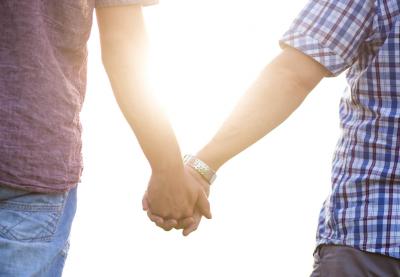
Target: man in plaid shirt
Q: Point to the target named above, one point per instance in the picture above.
(363, 209)
(359, 226)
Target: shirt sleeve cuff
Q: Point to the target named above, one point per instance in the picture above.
(108, 3)
(313, 48)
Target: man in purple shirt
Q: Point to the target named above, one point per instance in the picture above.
(42, 87)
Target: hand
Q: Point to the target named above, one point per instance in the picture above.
(187, 223)
(167, 200)
(191, 224)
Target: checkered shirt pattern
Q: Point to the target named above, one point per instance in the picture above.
(363, 36)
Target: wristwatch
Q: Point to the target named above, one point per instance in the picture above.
(201, 167)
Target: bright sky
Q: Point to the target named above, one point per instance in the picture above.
(265, 202)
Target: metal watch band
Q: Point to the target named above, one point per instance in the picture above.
(201, 167)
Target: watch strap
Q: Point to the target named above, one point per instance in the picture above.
(201, 167)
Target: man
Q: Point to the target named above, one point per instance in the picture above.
(359, 225)
(42, 87)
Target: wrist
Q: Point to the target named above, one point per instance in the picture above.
(168, 168)
(209, 155)
(167, 181)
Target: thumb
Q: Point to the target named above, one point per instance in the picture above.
(145, 202)
(203, 205)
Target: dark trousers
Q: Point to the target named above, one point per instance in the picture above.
(344, 261)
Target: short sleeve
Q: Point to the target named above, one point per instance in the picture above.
(331, 31)
(108, 3)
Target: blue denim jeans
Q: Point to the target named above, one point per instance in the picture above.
(34, 232)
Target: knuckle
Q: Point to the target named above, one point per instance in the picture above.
(163, 213)
(188, 212)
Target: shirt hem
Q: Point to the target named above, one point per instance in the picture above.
(313, 48)
(389, 252)
(111, 3)
(39, 189)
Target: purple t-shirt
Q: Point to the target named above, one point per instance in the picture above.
(43, 61)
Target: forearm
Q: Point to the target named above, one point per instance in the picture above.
(273, 97)
(149, 123)
(146, 118)
(264, 107)
(124, 54)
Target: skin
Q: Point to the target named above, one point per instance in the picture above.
(188, 224)
(172, 191)
(276, 94)
(176, 196)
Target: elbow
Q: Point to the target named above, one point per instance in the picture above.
(290, 81)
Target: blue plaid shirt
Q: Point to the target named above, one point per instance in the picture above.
(363, 36)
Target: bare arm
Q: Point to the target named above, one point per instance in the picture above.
(171, 192)
(279, 90)
(124, 54)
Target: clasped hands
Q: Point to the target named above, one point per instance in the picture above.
(178, 201)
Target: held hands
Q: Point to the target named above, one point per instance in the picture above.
(177, 202)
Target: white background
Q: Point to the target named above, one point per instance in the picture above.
(265, 202)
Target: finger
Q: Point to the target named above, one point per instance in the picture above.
(170, 224)
(193, 227)
(185, 223)
(167, 225)
(156, 219)
(145, 202)
(203, 205)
